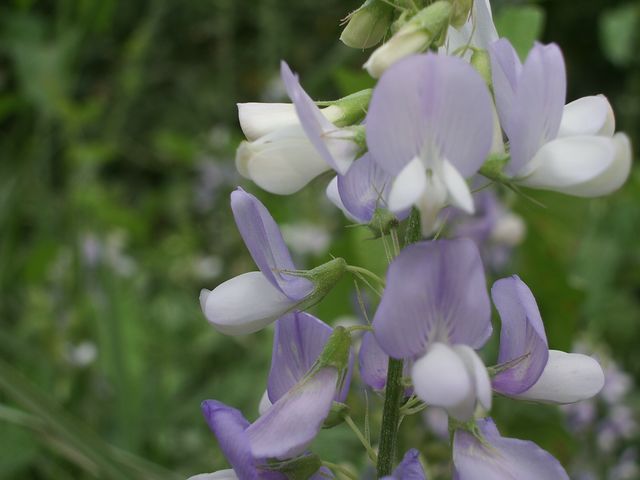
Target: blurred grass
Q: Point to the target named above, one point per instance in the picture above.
(116, 160)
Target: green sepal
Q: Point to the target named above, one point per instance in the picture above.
(353, 107)
(434, 19)
(300, 468)
(323, 277)
(382, 222)
(481, 61)
(336, 415)
(367, 25)
(493, 166)
(460, 12)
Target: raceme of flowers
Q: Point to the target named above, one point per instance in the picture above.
(454, 110)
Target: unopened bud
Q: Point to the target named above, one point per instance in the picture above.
(367, 25)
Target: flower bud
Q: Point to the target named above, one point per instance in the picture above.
(367, 25)
(424, 29)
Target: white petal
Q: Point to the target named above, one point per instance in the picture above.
(567, 162)
(259, 119)
(244, 304)
(228, 474)
(588, 116)
(567, 378)
(440, 377)
(265, 403)
(408, 186)
(478, 371)
(406, 42)
(613, 177)
(459, 193)
(431, 203)
(283, 162)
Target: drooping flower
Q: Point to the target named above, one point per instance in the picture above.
(435, 310)
(429, 126)
(494, 457)
(570, 149)
(409, 468)
(249, 302)
(535, 372)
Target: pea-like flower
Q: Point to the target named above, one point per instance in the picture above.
(251, 301)
(435, 311)
(488, 455)
(571, 148)
(429, 126)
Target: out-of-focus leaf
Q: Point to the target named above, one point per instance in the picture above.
(619, 33)
(522, 25)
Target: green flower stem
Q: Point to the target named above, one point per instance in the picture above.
(390, 418)
(340, 469)
(365, 443)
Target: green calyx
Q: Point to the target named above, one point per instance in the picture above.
(493, 166)
(481, 61)
(300, 468)
(434, 20)
(337, 415)
(323, 277)
(460, 12)
(382, 222)
(336, 351)
(367, 25)
(353, 107)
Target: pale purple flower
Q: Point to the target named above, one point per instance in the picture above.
(535, 372)
(374, 363)
(435, 310)
(429, 126)
(298, 342)
(570, 149)
(500, 458)
(363, 189)
(251, 301)
(409, 468)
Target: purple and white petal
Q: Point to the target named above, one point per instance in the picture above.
(435, 292)
(567, 378)
(244, 304)
(588, 116)
(298, 342)
(262, 237)
(522, 336)
(230, 428)
(335, 145)
(364, 188)
(290, 425)
(538, 105)
(421, 107)
(501, 458)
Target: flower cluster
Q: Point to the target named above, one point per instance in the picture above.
(453, 106)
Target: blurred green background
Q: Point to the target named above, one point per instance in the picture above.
(118, 129)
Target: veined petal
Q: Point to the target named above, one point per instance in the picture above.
(230, 428)
(333, 194)
(282, 162)
(503, 458)
(459, 193)
(588, 116)
(244, 304)
(319, 130)
(291, 424)
(297, 344)
(259, 119)
(441, 379)
(505, 71)
(538, 104)
(426, 104)
(265, 403)
(408, 186)
(566, 163)
(435, 292)
(567, 378)
(409, 468)
(522, 336)
(364, 188)
(613, 177)
(262, 237)
(228, 474)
